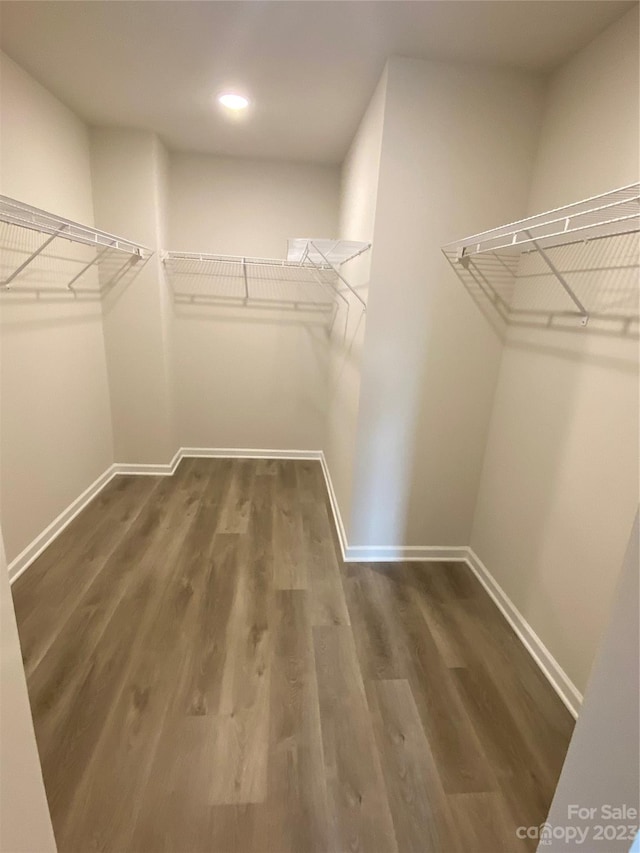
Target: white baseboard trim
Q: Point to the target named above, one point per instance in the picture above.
(384, 553)
(169, 468)
(33, 550)
(246, 453)
(149, 469)
(405, 553)
(335, 509)
(556, 676)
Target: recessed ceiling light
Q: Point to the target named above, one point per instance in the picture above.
(233, 102)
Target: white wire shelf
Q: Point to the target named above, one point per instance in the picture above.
(17, 213)
(611, 214)
(323, 251)
(606, 215)
(200, 277)
(306, 266)
(204, 258)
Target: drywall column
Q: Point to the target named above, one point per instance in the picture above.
(25, 824)
(559, 486)
(358, 196)
(602, 768)
(129, 170)
(457, 150)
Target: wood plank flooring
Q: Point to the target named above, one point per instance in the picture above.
(207, 676)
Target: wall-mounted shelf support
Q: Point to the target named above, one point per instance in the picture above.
(332, 291)
(584, 314)
(87, 267)
(244, 275)
(7, 281)
(327, 255)
(335, 269)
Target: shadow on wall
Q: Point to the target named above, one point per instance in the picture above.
(63, 272)
(514, 290)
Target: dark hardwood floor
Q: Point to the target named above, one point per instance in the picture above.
(206, 675)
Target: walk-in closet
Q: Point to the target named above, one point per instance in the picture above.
(319, 426)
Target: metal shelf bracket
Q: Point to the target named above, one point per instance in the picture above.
(584, 314)
(336, 271)
(6, 283)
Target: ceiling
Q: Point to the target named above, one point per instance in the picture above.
(309, 67)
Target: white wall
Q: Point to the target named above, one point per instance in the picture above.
(358, 197)
(55, 425)
(589, 139)
(457, 153)
(129, 172)
(248, 375)
(248, 207)
(25, 823)
(559, 487)
(603, 762)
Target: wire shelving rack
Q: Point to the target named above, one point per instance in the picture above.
(610, 214)
(52, 226)
(310, 263)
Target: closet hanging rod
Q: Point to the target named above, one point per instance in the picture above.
(610, 214)
(23, 215)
